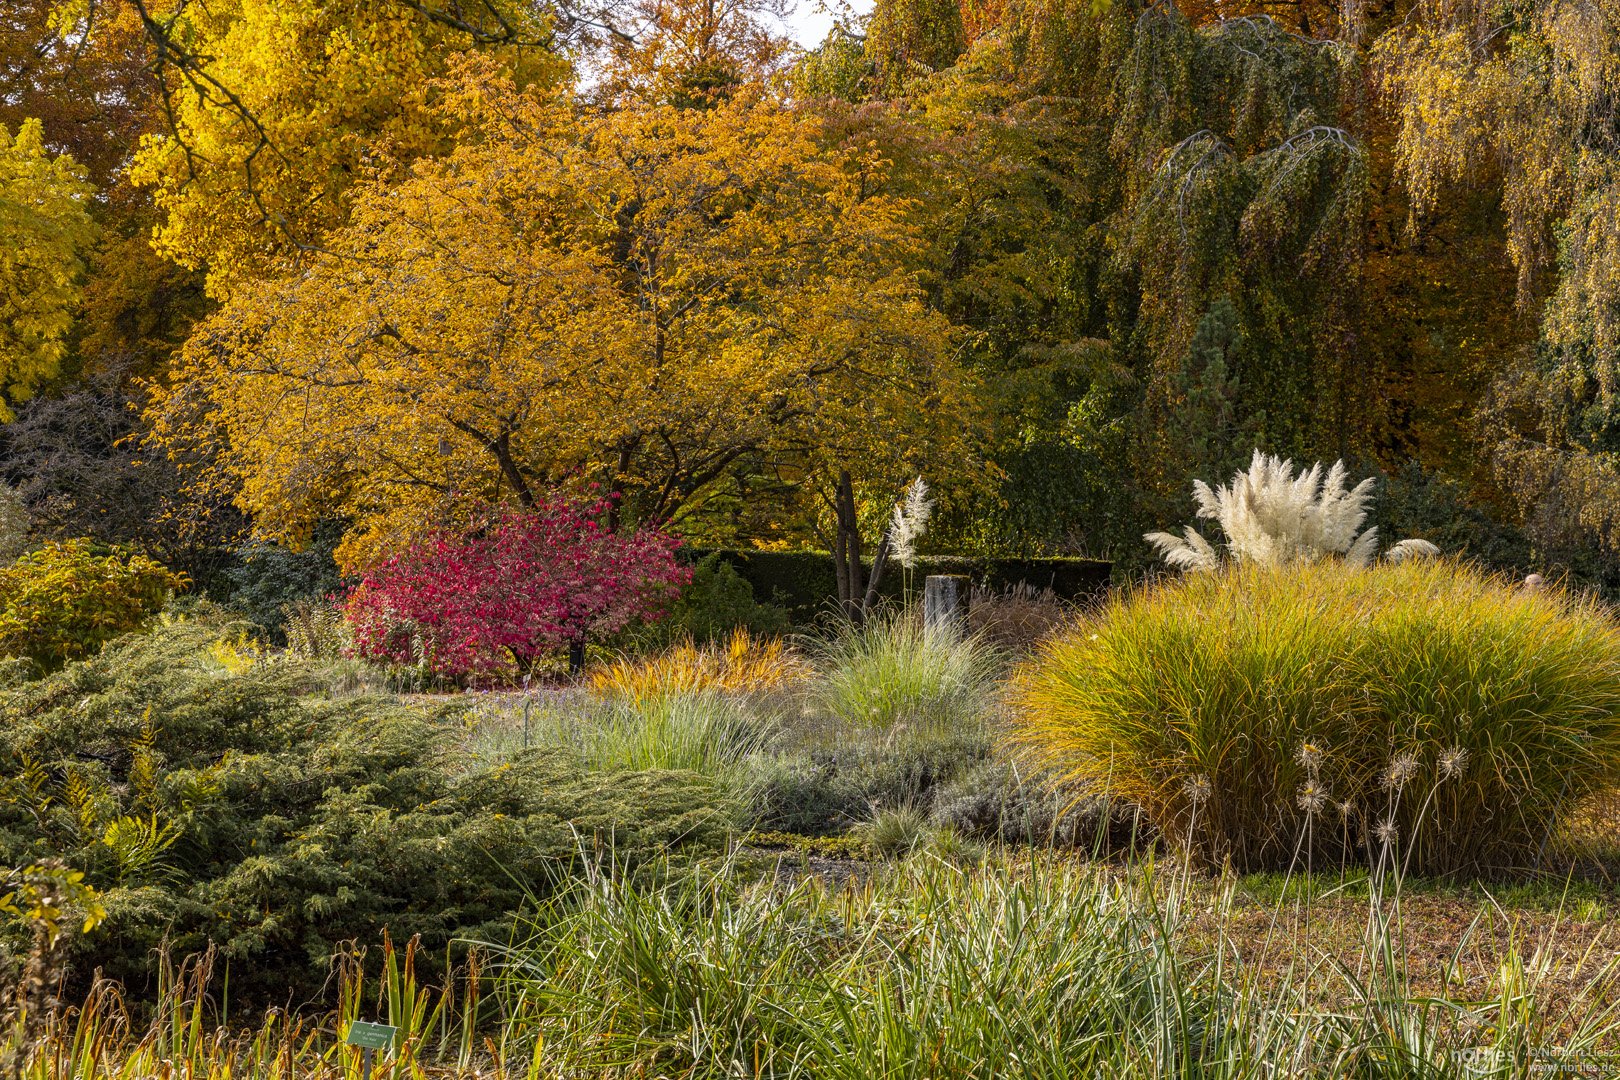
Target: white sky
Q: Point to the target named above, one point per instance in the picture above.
(811, 19)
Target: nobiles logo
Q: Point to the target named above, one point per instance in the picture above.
(1488, 1061)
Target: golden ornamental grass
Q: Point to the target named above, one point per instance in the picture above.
(1469, 716)
(742, 663)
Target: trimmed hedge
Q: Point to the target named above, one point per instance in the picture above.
(805, 584)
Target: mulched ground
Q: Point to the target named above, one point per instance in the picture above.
(1464, 949)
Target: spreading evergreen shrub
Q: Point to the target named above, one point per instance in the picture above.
(1425, 714)
(244, 809)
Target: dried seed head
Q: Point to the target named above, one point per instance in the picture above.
(1400, 771)
(1347, 809)
(1386, 833)
(1453, 762)
(1309, 756)
(1197, 789)
(1312, 797)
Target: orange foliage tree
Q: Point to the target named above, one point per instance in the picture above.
(642, 297)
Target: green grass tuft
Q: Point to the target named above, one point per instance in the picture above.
(896, 673)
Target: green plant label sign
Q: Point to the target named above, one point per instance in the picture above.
(370, 1036)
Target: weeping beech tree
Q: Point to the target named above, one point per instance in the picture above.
(1248, 184)
(1171, 176)
(1525, 98)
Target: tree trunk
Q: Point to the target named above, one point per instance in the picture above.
(847, 551)
(576, 656)
(880, 562)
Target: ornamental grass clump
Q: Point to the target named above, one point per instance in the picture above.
(718, 735)
(1032, 970)
(703, 732)
(1329, 714)
(741, 664)
(894, 672)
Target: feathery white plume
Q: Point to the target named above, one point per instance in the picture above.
(1274, 516)
(910, 521)
(1191, 553)
(1411, 549)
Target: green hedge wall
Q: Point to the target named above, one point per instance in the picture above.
(804, 583)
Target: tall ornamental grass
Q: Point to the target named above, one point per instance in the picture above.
(180, 1027)
(894, 673)
(1327, 713)
(702, 731)
(1028, 970)
(741, 664)
(934, 973)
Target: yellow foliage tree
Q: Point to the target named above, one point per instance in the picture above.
(1523, 101)
(45, 227)
(641, 298)
(277, 109)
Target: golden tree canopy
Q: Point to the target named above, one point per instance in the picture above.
(45, 227)
(281, 108)
(641, 298)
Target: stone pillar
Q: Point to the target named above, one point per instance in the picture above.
(945, 602)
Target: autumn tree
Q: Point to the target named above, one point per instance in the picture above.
(84, 72)
(275, 113)
(908, 38)
(641, 297)
(93, 98)
(72, 451)
(691, 53)
(1521, 101)
(45, 229)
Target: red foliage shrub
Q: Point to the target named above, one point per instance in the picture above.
(513, 588)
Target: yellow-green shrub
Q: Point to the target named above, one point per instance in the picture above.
(1424, 713)
(64, 601)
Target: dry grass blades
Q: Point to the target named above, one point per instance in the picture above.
(742, 663)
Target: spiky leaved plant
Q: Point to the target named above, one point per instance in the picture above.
(1274, 516)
